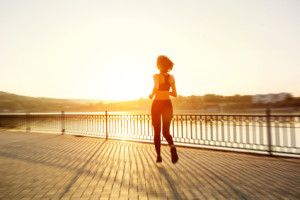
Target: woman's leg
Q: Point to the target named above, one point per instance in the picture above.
(156, 122)
(167, 115)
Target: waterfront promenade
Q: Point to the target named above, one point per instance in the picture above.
(54, 166)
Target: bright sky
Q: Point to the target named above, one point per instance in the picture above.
(96, 49)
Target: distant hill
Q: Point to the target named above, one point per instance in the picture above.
(17, 103)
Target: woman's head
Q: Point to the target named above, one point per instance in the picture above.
(164, 64)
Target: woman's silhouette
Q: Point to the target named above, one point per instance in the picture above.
(162, 105)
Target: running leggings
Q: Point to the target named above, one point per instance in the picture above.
(161, 109)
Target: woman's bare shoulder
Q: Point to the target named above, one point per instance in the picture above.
(171, 78)
(156, 77)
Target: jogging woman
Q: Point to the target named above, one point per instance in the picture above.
(162, 105)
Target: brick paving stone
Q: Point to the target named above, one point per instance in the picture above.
(105, 197)
(52, 166)
(143, 197)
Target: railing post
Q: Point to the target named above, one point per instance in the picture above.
(106, 128)
(268, 115)
(27, 121)
(63, 122)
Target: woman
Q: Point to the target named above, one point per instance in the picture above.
(162, 106)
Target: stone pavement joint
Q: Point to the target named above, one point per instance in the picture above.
(52, 166)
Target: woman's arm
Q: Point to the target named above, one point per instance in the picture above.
(155, 88)
(173, 93)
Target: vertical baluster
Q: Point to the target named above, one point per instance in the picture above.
(242, 140)
(222, 130)
(95, 124)
(28, 122)
(122, 126)
(261, 132)
(268, 116)
(114, 124)
(177, 128)
(87, 119)
(144, 133)
(196, 132)
(88, 124)
(201, 130)
(248, 133)
(212, 131)
(81, 124)
(277, 132)
(99, 124)
(63, 122)
(217, 131)
(133, 121)
(74, 123)
(186, 130)
(84, 123)
(106, 128)
(205, 123)
(80, 127)
(253, 123)
(191, 124)
(292, 133)
(100, 118)
(173, 131)
(181, 120)
(110, 125)
(229, 141)
(137, 124)
(141, 127)
(148, 118)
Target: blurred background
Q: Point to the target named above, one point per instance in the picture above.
(92, 56)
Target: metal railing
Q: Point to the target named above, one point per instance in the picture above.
(272, 134)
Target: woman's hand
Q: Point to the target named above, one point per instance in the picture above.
(173, 94)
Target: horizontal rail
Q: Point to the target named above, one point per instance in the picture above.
(253, 133)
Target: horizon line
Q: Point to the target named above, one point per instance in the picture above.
(111, 100)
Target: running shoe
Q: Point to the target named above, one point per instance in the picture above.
(159, 159)
(174, 155)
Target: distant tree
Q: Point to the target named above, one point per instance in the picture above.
(212, 98)
(289, 97)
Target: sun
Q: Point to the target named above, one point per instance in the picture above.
(131, 91)
(116, 83)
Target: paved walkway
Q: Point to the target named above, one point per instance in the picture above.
(50, 166)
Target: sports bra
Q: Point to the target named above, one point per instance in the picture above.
(165, 86)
